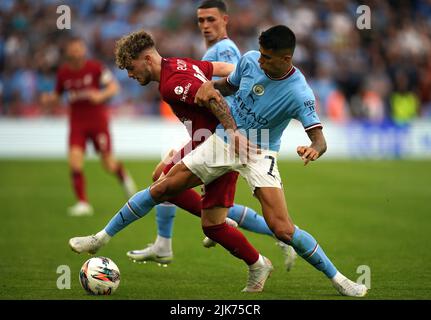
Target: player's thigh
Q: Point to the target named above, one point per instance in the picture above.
(274, 210)
(171, 158)
(210, 160)
(164, 166)
(178, 179)
(264, 179)
(213, 216)
(262, 171)
(220, 192)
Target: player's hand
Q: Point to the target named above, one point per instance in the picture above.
(47, 99)
(207, 92)
(243, 148)
(95, 96)
(307, 154)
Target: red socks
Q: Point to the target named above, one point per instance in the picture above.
(78, 183)
(233, 240)
(229, 237)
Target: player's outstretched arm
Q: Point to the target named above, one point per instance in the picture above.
(316, 149)
(48, 101)
(222, 69)
(100, 96)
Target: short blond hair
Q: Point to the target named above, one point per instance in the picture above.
(129, 48)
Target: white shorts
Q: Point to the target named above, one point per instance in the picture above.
(213, 158)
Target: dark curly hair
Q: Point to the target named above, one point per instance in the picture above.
(130, 46)
(278, 38)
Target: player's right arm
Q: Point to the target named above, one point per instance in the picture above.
(222, 69)
(317, 147)
(225, 86)
(48, 99)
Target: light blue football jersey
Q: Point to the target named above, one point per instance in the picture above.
(263, 107)
(223, 51)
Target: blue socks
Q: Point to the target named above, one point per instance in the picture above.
(245, 217)
(137, 207)
(248, 219)
(165, 214)
(308, 248)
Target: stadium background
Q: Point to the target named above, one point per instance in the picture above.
(374, 98)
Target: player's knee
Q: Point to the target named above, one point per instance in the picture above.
(155, 175)
(109, 165)
(163, 189)
(158, 190)
(283, 232)
(75, 164)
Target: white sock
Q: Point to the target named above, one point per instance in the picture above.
(338, 278)
(163, 245)
(260, 262)
(103, 236)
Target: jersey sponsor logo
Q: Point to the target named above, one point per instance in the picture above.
(309, 104)
(248, 115)
(186, 91)
(178, 90)
(258, 89)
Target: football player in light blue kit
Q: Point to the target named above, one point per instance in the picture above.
(212, 20)
(269, 92)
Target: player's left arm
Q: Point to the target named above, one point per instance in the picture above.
(316, 149)
(222, 69)
(110, 88)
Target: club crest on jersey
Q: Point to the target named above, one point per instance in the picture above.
(179, 90)
(258, 89)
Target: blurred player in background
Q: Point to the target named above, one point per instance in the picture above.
(88, 85)
(212, 21)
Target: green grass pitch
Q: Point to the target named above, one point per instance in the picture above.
(373, 213)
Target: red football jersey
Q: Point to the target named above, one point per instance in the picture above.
(76, 83)
(180, 79)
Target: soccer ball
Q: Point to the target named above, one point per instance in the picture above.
(99, 276)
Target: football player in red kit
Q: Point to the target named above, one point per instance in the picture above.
(88, 86)
(180, 79)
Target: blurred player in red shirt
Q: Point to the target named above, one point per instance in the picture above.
(88, 85)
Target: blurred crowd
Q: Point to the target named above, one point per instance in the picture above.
(377, 74)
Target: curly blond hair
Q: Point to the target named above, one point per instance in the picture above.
(130, 46)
